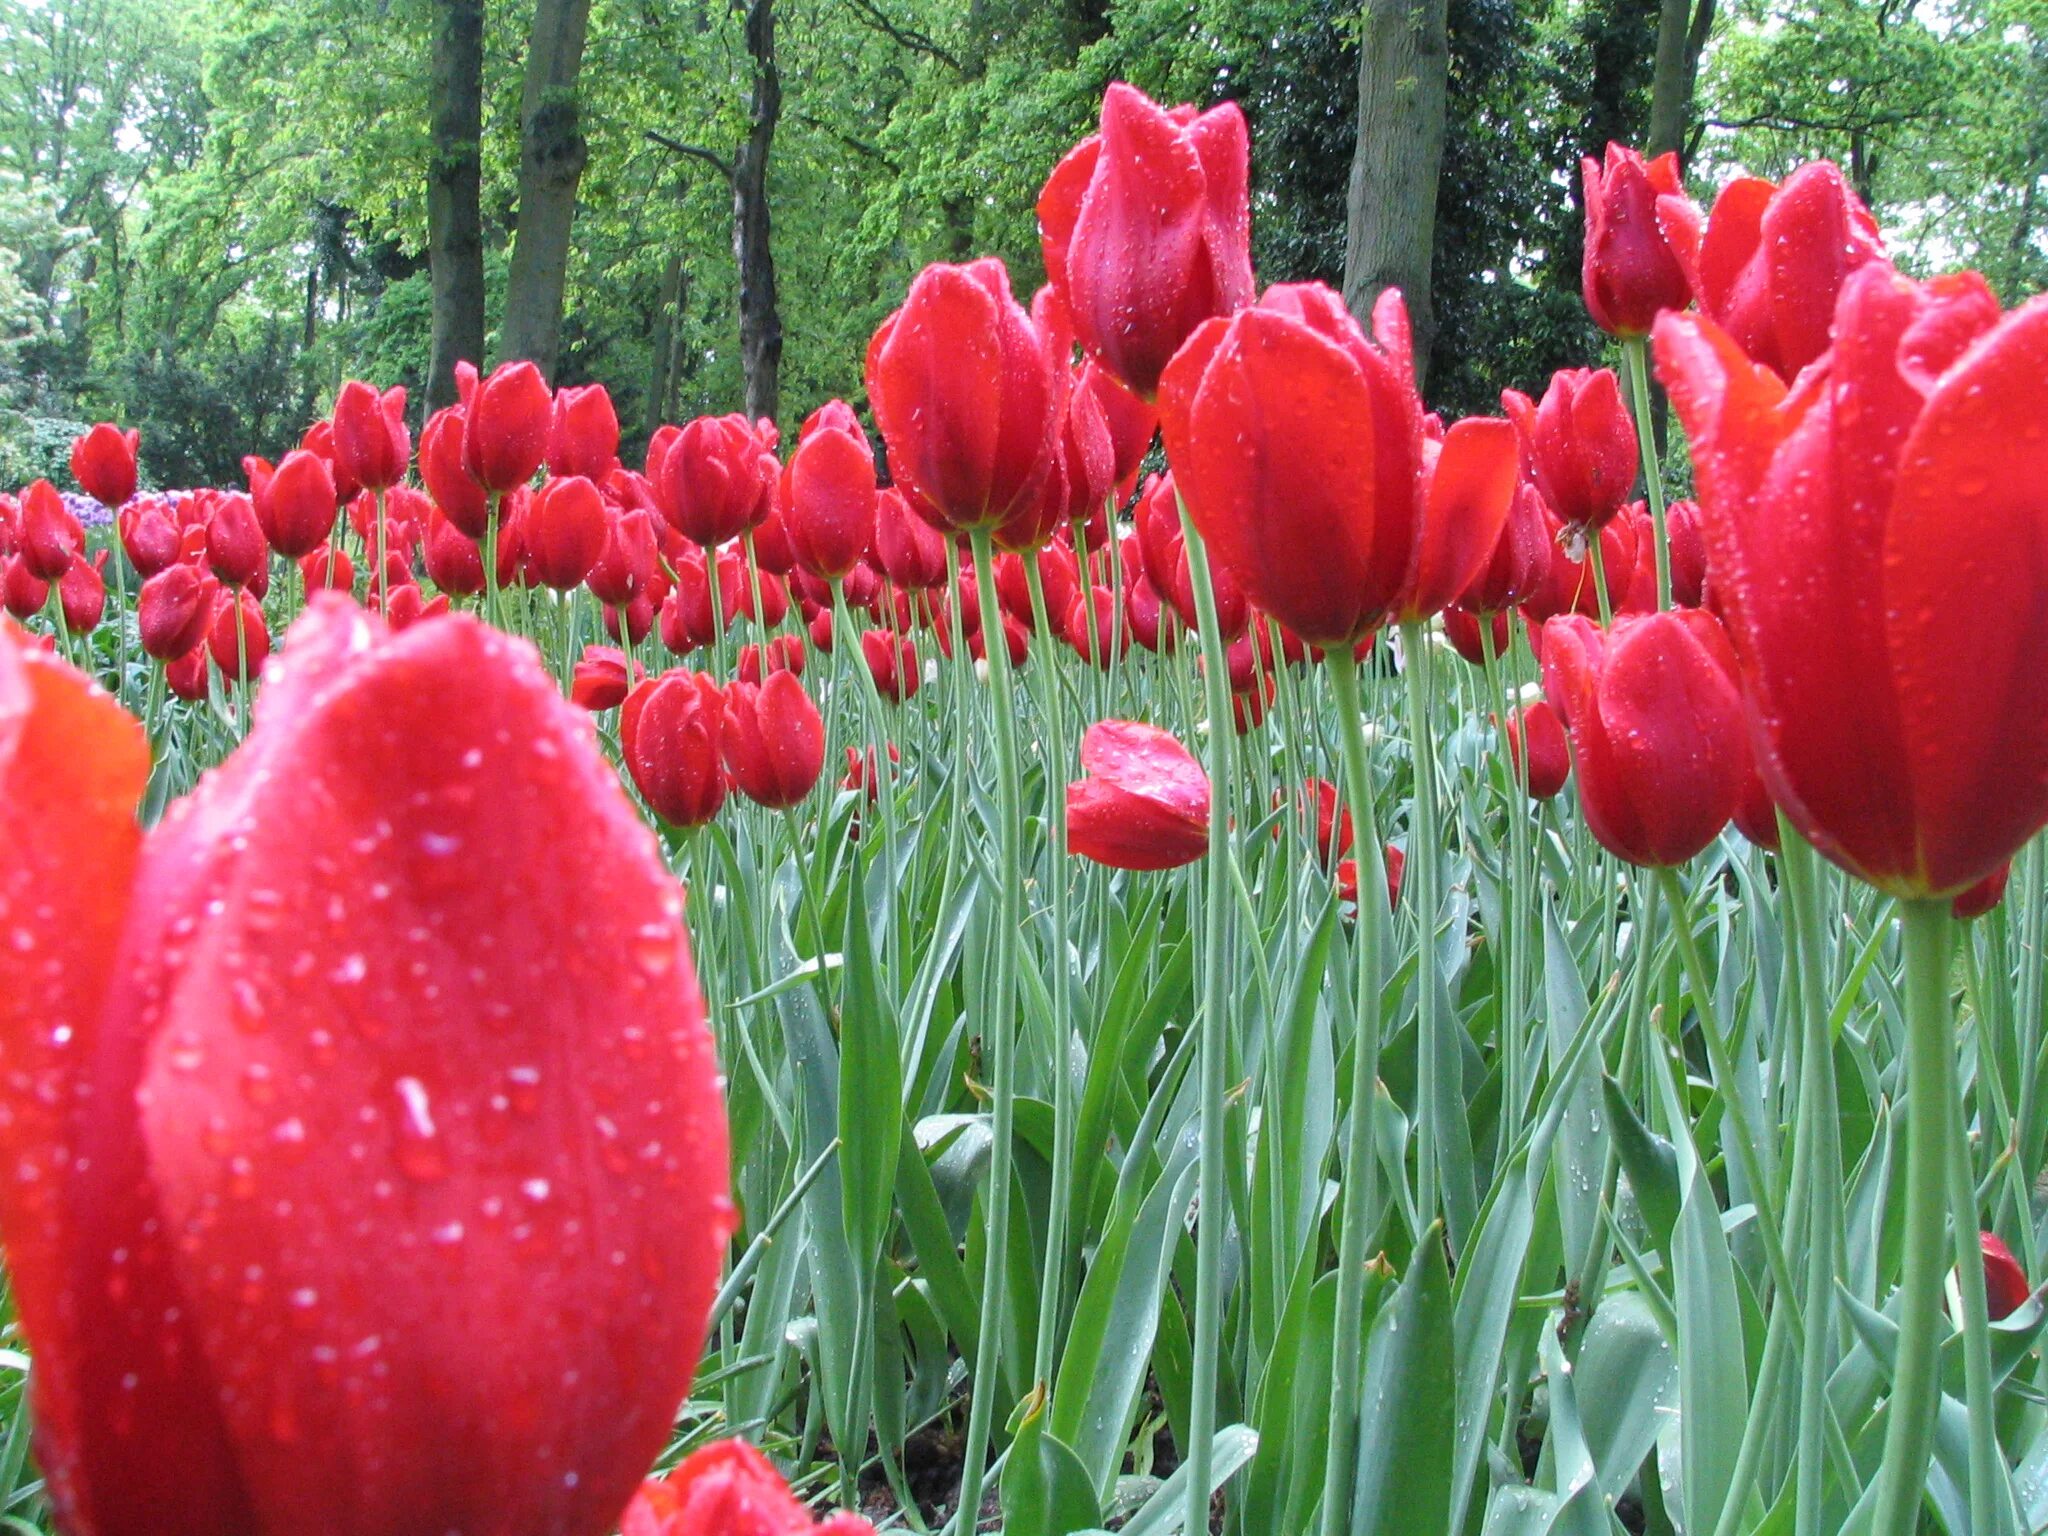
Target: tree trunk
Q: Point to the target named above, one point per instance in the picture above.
(552, 154)
(455, 231)
(1390, 225)
(661, 344)
(1683, 27)
(760, 318)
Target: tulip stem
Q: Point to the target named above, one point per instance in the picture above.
(1930, 1087)
(1361, 1167)
(997, 1028)
(1212, 1190)
(1422, 872)
(1635, 363)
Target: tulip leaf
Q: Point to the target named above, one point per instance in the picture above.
(1407, 1404)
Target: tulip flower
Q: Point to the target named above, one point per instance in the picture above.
(967, 396)
(828, 496)
(461, 499)
(1146, 229)
(1641, 235)
(1091, 626)
(1469, 633)
(565, 531)
(239, 649)
(348, 1195)
(1772, 260)
(235, 546)
(863, 773)
(716, 480)
(1520, 561)
(1579, 444)
(774, 740)
(174, 610)
(671, 730)
(149, 535)
(909, 549)
(784, 653)
(188, 676)
(1880, 547)
(1549, 757)
(1688, 536)
(687, 621)
(1657, 731)
(631, 623)
(294, 503)
(371, 443)
(583, 433)
(627, 564)
(403, 605)
(1145, 802)
(506, 419)
(1146, 614)
(1079, 476)
(1132, 422)
(727, 1489)
(83, 592)
(602, 679)
(51, 538)
(892, 662)
(1347, 878)
(1299, 447)
(103, 464)
(2005, 1283)
(1162, 548)
(23, 593)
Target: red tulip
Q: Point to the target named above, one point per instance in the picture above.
(1685, 529)
(1569, 585)
(686, 618)
(1756, 813)
(1347, 878)
(565, 531)
(1146, 613)
(784, 653)
(601, 680)
(1656, 728)
(404, 605)
(1248, 704)
(2005, 1283)
(357, 1199)
(1079, 477)
(1162, 546)
(1332, 820)
(371, 442)
(583, 433)
(1579, 444)
(1773, 258)
(1983, 896)
(1520, 561)
(174, 610)
(1098, 611)
(828, 501)
(727, 1489)
(1641, 235)
(83, 592)
(1549, 754)
(295, 504)
(1298, 446)
(453, 561)
(1146, 229)
(505, 427)
(319, 438)
(892, 663)
(627, 564)
(716, 481)
(1880, 547)
(188, 676)
(862, 771)
(51, 538)
(1145, 802)
(103, 464)
(23, 593)
(670, 734)
(1467, 634)
(1469, 481)
(637, 617)
(235, 546)
(442, 466)
(909, 549)
(149, 535)
(1132, 422)
(967, 396)
(774, 740)
(238, 651)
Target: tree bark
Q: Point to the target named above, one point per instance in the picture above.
(760, 316)
(1390, 225)
(455, 230)
(661, 344)
(1683, 27)
(552, 155)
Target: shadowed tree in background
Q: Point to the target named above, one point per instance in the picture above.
(553, 152)
(455, 234)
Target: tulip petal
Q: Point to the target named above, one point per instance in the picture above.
(1470, 493)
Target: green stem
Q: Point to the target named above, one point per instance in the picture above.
(1422, 878)
(1930, 1085)
(1990, 1512)
(1635, 366)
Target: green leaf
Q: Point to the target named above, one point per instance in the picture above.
(1407, 1404)
(1045, 1489)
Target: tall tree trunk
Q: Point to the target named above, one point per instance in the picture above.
(455, 229)
(760, 318)
(661, 343)
(1683, 27)
(1390, 225)
(552, 154)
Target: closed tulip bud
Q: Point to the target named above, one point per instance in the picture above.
(51, 538)
(1145, 801)
(627, 564)
(83, 592)
(565, 531)
(784, 653)
(371, 442)
(238, 650)
(327, 569)
(1687, 536)
(24, 593)
(771, 544)
(633, 623)
(863, 773)
(1162, 546)
(967, 396)
(1147, 615)
(583, 435)
(295, 504)
(454, 562)
(235, 546)
(461, 499)
(103, 464)
(1657, 732)
(1058, 575)
(174, 610)
(2005, 1283)
(1538, 754)
(149, 535)
(1773, 258)
(188, 676)
(774, 740)
(1146, 229)
(1641, 235)
(319, 438)
(1079, 477)
(1098, 612)
(1886, 618)
(910, 550)
(1520, 562)
(828, 499)
(602, 680)
(1132, 423)
(727, 1489)
(505, 428)
(1322, 804)
(686, 618)
(1396, 863)
(671, 734)
(892, 663)
(1579, 443)
(715, 481)
(1571, 584)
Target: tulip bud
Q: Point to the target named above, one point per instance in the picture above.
(2005, 1283)
(583, 434)
(235, 546)
(238, 651)
(173, 611)
(892, 663)
(83, 592)
(149, 535)
(601, 680)
(295, 504)
(774, 740)
(24, 593)
(715, 481)
(828, 497)
(371, 443)
(103, 464)
(51, 538)
(671, 732)
(627, 563)
(727, 1489)
(1549, 758)
(455, 491)
(1579, 444)
(1641, 235)
(565, 531)
(784, 653)
(327, 569)
(505, 428)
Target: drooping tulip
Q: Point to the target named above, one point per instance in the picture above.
(671, 731)
(295, 503)
(1772, 260)
(239, 637)
(774, 740)
(505, 428)
(173, 611)
(316, 1232)
(1657, 733)
(103, 464)
(1641, 232)
(715, 481)
(565, 531)
(583, 433)
(371, 443)
(1879, 545)
(727, 1489)
(1535, 729)
(1145, 801)
(1579, 444)
(1146, 229)
(828, 495)
(967, 396)
(892, 663)
(51, 537)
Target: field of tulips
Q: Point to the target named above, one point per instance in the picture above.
(1141, 927)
